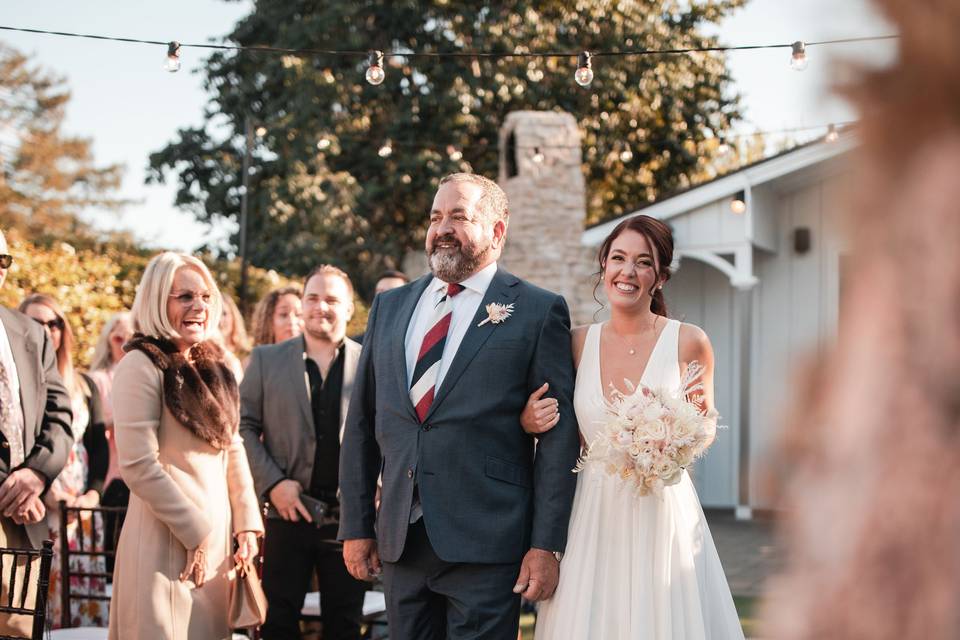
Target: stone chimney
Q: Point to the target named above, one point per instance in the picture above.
(541, 172)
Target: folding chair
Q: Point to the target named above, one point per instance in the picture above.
(16, 570)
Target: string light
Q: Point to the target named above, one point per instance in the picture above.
(538, 156)
(173, 57)
(454, 154)
(375, 74)
(832, 134)
(261, 131)
(385, 150)
(739, 203)
(626, 155)
(798, 59)
(584, 74)
(323, 143)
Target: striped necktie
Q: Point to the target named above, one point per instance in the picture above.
(424, 381)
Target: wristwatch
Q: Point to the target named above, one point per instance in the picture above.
(558, 555)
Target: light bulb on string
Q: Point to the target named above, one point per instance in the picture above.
(584, 74)
(323, 143)
(454, 154)
(626, 155)
(375, 74)
(723, 148)
(172, 63)
(538, 156)
(798, 59)
(261, 131)
(385, 150)
(832, 134)
(739, 203)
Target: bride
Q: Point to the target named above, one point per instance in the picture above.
(636, 567)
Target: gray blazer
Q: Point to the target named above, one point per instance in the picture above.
(487, 494)
(47, 413)
(276, 419)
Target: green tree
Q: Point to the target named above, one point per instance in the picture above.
(321, 190)
(47, 177)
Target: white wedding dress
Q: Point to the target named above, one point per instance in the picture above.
(636, 567)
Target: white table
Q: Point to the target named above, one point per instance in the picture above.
(373, 603)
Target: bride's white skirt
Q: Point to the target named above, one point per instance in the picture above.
(638, 568)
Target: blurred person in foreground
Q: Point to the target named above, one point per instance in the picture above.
(35, 438)
(176, 412)
(871, 516)
(278, 316)
(80, 483)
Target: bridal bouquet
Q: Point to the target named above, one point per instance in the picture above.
(652, 434)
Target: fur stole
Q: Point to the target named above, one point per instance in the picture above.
(199, 389)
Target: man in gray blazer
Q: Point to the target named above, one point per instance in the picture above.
(472, 514)
(294, 399)
(35, 435)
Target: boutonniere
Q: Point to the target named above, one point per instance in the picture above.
(497, 313)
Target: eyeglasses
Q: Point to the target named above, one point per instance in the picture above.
(56, 323)
(188, 299)
(5, 260)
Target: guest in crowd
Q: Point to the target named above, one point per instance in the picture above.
(233, 334)
(278, 316)
(294, 402)
(35, 438)
(80, 483)
(176, 410)
(389, 279)
(106, 355)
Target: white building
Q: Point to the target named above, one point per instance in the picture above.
(765, 286)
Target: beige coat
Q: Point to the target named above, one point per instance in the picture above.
(181, 490)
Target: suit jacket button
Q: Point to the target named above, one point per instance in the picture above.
(409, 473)
(426, 427)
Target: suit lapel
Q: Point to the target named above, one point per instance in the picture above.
(502, 290)
(399, 346)
(25, 357)
(297, 372)
(351, 354)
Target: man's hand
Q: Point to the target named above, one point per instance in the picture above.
(20, 487)
(285, 497)
(539, 575)
(33, 512)
(362, 558)
(540, 414)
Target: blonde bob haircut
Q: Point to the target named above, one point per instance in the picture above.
(150, 304)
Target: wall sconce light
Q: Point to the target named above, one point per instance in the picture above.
(801, 240)
(739, 203)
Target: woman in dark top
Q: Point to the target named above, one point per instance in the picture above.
(81, 481)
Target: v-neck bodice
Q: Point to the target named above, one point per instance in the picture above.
(662, 370)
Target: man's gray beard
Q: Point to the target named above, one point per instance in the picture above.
(455, 267)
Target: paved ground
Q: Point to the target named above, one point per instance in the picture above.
(747, 551)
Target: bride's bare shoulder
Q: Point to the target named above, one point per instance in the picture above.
(578, 336)
(694, 343)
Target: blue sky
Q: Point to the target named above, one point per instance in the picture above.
(130, 107)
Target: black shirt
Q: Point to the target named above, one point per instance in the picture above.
(325, 402)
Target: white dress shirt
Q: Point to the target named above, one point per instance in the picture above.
(6, 357)
(465, 305)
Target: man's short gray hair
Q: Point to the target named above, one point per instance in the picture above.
(493, 204)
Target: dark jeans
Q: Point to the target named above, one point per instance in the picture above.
(292, 551)
(430, 599)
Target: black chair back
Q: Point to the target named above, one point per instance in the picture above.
(91, 542)
(17, 569)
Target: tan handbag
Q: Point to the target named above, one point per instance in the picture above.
(248, 604)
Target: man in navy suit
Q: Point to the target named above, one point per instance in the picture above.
(472, 514)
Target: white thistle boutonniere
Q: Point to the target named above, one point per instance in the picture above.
(497, 313)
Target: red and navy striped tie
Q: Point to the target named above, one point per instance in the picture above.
(423, 384)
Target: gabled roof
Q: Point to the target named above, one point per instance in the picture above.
(724, 186)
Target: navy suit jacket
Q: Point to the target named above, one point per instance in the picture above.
(488, 493)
